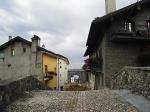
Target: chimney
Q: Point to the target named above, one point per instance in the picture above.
(43, 46)
(35, 43)
(10, 37)
(110, 6)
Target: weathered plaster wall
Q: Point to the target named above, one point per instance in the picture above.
(63, 72)
(17, 65)
(51, 63)
(92, 81)
(22, 63)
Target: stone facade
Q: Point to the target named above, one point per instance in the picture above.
(116, 43)
(120, 54)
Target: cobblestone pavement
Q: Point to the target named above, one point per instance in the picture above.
(141, 103)
(87, 101)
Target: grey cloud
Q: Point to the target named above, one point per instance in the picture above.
(123, 3)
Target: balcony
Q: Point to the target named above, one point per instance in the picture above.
(87, 65)
(88, 61)
(47, 78)
(49, 75)
(125, 36)
(144, 57)
(93, 65)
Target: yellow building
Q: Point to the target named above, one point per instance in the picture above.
(50, 70)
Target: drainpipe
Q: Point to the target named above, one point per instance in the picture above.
(58, 74)
(43, 74)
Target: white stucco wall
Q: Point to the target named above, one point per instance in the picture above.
(62, 72)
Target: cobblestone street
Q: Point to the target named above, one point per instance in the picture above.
(86, 101)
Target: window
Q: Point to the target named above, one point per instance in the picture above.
(60, 66)
(96, 54)
(24, 50)
(55, 69)
(129, 26)
(9, 65)
(100, 53)
(2, 55)
(148, 25)
(12, 52)
(46, 68)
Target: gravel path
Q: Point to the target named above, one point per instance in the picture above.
(86, 101)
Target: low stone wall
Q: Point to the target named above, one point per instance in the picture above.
(12, 89)
(136, 79)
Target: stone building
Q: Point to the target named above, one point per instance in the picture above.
(80, 72)
(21, 58)
(120, 38)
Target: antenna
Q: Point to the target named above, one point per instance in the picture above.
(43, 46)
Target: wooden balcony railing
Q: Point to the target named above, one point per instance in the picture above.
(47, 78)
(125, 35)
(94, 64)
(49, 75)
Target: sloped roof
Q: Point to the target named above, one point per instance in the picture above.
(100, 22)
(50, 52)
(63, 57)
(19, 39)
(16, 39)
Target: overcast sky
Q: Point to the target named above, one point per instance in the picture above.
(62, 25)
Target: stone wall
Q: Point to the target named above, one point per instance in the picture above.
(136, 79)
(12, 89)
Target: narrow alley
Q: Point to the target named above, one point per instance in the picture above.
(75, 56)
(62, 101)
